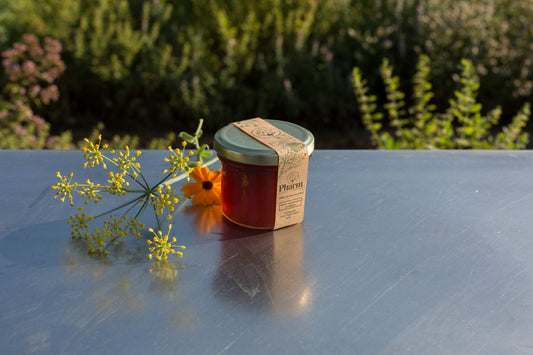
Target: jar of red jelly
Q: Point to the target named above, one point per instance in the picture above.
(250, 174)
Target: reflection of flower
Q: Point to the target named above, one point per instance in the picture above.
(205, 218)
(164, 275)
(206, 188)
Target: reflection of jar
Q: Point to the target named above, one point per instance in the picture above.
(263, 270)
(250, 174)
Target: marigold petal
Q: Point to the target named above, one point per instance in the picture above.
(205, 173)
(191, 188)
(196, 174)
(199, 199)
(207, 198)
(200, 174)
(210, 198)
(215, 176)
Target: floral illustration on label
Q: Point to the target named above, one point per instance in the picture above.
(265, 132)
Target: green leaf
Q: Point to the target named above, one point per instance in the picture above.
(468, 130)
(202, 151)
(186, 137)
(475, 108)
(430, 128)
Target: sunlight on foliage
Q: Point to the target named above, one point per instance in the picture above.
(461, 126)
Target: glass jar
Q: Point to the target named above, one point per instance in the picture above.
(250, 174)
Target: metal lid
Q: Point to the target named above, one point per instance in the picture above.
(233, 144)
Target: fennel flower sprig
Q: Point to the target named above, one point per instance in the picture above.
(161, 245)
(124, 178)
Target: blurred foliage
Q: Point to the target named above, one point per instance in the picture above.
(31, 70)
(461, 126)
(496, 36)
(156, 66)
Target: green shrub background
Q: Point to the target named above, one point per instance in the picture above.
(148, 68)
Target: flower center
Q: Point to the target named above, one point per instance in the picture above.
(207, 185)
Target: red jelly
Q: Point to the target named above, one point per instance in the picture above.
(250, 174)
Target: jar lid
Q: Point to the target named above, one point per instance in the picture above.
(233, 144)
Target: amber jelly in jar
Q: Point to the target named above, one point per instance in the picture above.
(250, 174)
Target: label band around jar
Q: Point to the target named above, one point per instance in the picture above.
(293, 161)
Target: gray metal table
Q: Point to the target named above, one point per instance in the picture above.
(400, 252)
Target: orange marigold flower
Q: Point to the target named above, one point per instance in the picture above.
(206, 188)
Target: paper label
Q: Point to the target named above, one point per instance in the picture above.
(293, 160)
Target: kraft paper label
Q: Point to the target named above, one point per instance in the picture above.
(293, 160)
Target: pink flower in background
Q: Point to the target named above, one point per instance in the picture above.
(31, 70)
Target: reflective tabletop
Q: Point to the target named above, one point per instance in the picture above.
(400, 252)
